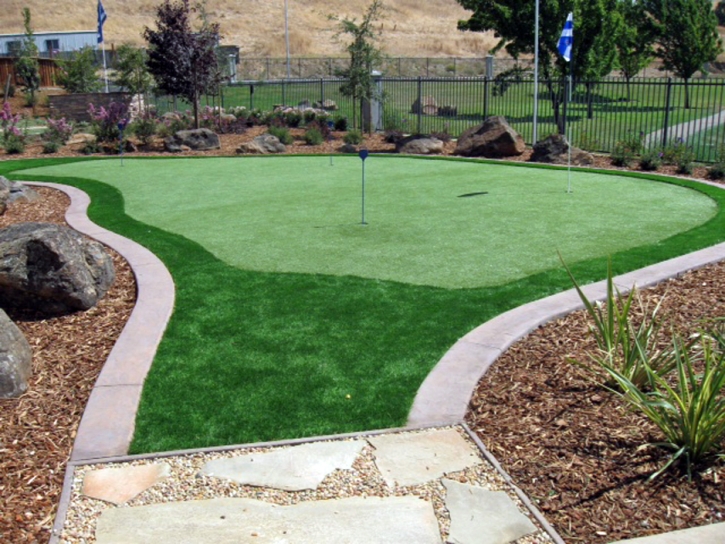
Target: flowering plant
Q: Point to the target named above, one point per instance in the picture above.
(105, 121)
(13, 138)
(59, 130)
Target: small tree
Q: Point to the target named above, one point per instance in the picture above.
(78, 73)
(720, 12)
(26, 66)
(364, 57)
(635, 40)
(687, 35)
(131, 70)
(181, 61)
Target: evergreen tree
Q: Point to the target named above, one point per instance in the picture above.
(687, 34)
(78, 73)
(26, 66)
(183, 62)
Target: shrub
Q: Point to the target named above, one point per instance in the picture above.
(313, 136)
(353, 137)
(716, 171)
(78, 74)
(650, 160)
(281, 133)
(393, 136)
(14, 144)
(13, 139)
(680, 155)
(90, 148)
(309, 116)
(588, 143)
(626, 150)
(690, 412)
(443, 135)
(51, 146)
(292, 118)
(105, 121)
(59, 130)
(144, 127)
(321, 126)
(623, 348)
(340, 123)
(31, 99)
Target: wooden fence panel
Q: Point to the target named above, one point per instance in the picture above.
(47, 67)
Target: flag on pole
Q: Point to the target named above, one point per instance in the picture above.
(567, 38)
(101, 19)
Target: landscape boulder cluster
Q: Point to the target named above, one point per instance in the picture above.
(45, 270)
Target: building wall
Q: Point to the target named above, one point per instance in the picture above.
(66, 41)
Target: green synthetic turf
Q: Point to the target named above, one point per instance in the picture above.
(301, 214)
(252, 356)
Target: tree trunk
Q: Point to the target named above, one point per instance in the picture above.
(556, 102)
(687, 94)
(196, 110)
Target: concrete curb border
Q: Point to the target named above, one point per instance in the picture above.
(107, 425)
(444, 395)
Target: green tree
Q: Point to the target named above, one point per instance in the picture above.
(687, 35)
(131, 71)
(635, 40)
(26, 66)
(182, 61)
(720, 12)
(595, 28)
(78, 73)
(364, 57)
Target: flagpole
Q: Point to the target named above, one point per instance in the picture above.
(536, 74)
(105, 73)
(286, 37)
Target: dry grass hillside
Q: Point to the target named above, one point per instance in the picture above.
(412, 28)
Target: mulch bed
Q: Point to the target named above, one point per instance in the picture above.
(575, 449)
(568, 444)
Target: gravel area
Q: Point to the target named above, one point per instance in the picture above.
(362, 480)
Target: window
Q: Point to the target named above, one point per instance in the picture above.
(52, 46)
(13, 47)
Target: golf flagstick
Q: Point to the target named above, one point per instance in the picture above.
(566, 43)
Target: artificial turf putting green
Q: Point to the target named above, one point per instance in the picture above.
(451, 224)
(260, 355)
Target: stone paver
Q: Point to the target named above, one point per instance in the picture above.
(390, 520)
(707, 534)
(293, 469)
(120, 485)
(412, 459)
(481, 516)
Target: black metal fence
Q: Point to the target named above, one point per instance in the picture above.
(657, 111)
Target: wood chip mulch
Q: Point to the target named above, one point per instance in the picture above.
(37, 430)
(575, 449)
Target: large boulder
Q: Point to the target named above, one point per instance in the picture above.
(419, 145)
(262, 145)
(15, 359)
(51, 269)
(555, 149)
(494, 138)
(201, 139)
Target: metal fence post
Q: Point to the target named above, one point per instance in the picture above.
(420, 104)
(251, 97)
(485, 97)
(668, 96)
(322, 93)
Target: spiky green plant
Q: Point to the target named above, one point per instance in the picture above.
(690, 412)
(622, 347)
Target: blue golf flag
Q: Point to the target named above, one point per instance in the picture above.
(101, 19)
(567, 38)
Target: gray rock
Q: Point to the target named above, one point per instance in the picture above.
(419, 145)
(51, 269)
(348, 148)
(15, 359)
(292, 469)
(262, 145)
(494, 138)
(4, 195)
(327, 104)
(12, 191)
(481, 515)
(412, 459)
(372, 520)
(554, 149)
(201, 139)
